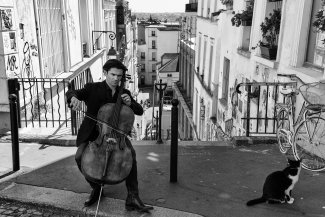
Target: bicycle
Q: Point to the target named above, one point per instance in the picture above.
(305, 135)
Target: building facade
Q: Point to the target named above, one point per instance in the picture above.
(69, 38)
(184, 89)
(154, 41)
(228, 53)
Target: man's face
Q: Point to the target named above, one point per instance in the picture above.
(114, 76)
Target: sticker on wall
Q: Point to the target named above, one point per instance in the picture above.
(9, 42)
(6, 18)
(12, 65)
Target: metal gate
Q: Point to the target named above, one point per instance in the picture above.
(42, 101)
(261, 98)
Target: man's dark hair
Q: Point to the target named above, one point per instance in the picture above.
(114, 63)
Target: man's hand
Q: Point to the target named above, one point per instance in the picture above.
(75, 104)
(126, 99)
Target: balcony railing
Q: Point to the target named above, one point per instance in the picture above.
(42, 101)
(261, 97)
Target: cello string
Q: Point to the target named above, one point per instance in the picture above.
(106, 124)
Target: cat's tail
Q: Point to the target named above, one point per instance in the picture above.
(256, 201)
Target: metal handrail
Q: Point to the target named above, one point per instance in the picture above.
(78, 69)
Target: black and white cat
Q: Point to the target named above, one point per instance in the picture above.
(278, 185)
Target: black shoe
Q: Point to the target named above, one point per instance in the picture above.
(93, 198)
(133, 202)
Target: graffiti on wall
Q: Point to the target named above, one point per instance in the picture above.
(27, 65)
(26, 37)
(71, 23)
(12, 63)
(6, 18)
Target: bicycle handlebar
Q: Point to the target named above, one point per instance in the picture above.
(292, 77)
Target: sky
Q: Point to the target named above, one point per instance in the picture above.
(157, 6)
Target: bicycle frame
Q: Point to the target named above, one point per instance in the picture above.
(300, 133)
(289, 107)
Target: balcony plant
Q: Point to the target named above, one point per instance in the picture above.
(319, 22)
(244, 18)
(270, 30)
(228, 4)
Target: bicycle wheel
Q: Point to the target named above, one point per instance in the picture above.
(283, 129)
(309, 143)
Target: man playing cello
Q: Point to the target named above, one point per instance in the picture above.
(96, 95)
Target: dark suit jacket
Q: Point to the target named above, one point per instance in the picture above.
(95, 95)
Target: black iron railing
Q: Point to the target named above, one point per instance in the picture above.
(42, 101)
(261, 98)
(77, 83)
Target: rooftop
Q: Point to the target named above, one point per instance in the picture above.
(170, 66)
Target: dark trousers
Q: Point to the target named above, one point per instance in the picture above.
(131, 180)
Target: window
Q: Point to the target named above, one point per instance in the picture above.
(153, 79)
(210, 64)
(199, 54)
(153, 33)
(202, 7)
(204, 55)
(154, 44)
(245, 42)
(143, 55)
(169, 75)
(316, 47)
(143, 79)
(143, 67)
(52, 48)
(154, 67)
(154, 54)
(225, 81)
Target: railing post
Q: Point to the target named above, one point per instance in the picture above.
(14, 131)
(157, 125)
(71, 86)
(13, 88)
(248, 116)
(174, 142)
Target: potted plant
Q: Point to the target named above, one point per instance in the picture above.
(228, 4)
(270, 30)
(319, 22)
(244, 18)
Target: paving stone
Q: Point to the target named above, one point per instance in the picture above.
(21, 209)
(8, 212)
(24, 210)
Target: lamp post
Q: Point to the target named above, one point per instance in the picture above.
(160, 87)
(112, 36)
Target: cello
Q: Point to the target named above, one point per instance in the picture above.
(108, 159)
